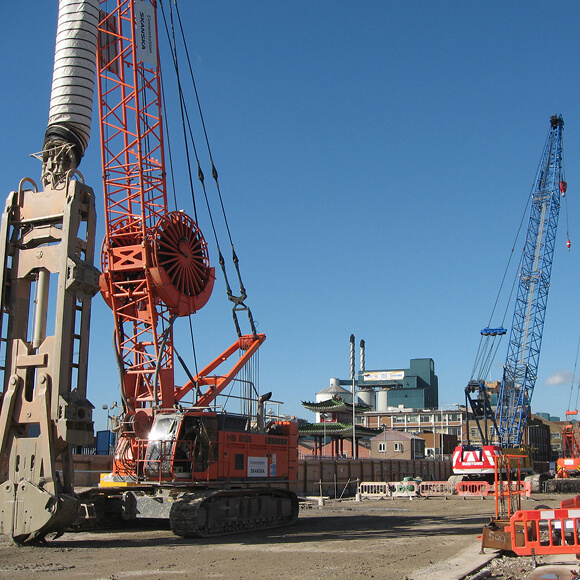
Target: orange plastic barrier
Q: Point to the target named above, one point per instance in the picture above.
(571, 503)
(473, 488)
(436, 488)
(545, 532)
(522, 488)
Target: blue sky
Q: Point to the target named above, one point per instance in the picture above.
(375, 160)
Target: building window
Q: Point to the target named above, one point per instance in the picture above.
(399, 419)
(454, 417)
(426, 418)
(382, 447)
(474, 432)
(398, 446)
(413, 418)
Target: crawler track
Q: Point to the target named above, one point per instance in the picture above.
(218, 513)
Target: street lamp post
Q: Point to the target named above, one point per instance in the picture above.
(323, 417)
(111, 424)
(384, 438)
(441, 433)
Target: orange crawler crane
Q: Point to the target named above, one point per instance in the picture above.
(569, 464)
(208, 471)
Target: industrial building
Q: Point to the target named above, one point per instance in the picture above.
(403, 400)
(416, 387)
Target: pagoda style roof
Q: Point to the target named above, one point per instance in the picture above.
(333, 429)
(335, 405)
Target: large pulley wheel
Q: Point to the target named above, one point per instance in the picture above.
(180, 271)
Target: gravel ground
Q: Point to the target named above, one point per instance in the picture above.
(508, 568)
(388, 539)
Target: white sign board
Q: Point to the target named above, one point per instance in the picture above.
(257, 467)
(145, 32)
(385, 376)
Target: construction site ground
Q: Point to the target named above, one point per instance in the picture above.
(398, 539)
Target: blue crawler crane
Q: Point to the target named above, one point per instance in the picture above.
(505, 428)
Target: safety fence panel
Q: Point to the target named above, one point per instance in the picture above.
(436, 488)
(542, 532)
(404, 488)
(520, 488)
(374, 490)
(473, 488)
(573, 502)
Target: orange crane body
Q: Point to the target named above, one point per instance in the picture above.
(569, 464)
(156, 269)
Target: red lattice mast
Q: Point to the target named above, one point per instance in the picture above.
(154, 263)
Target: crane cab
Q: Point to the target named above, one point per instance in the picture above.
(195, 447)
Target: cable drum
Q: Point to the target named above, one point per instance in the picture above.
(180, 271)
(71, 99)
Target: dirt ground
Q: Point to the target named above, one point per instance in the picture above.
(387, 539)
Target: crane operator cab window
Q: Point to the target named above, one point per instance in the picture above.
(160, 443)
(180, 445)
(196, 445)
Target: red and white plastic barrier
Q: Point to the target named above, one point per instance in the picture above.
(571, 503)
(522, 488)
(473, 488)
(436, 488)
(545, 532)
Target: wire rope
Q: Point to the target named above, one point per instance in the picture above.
(574, 379)
(522, 221)
(186, 123)
(563, 190)
(170, 32)
(488, 346)
(238, 301)
(168, 144)
(213, 168)
(177, 44)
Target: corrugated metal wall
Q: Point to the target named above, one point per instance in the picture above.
(332, 477)
(336, 477)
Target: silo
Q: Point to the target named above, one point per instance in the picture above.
(333, 389)
(382, 400)
(367, 396)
